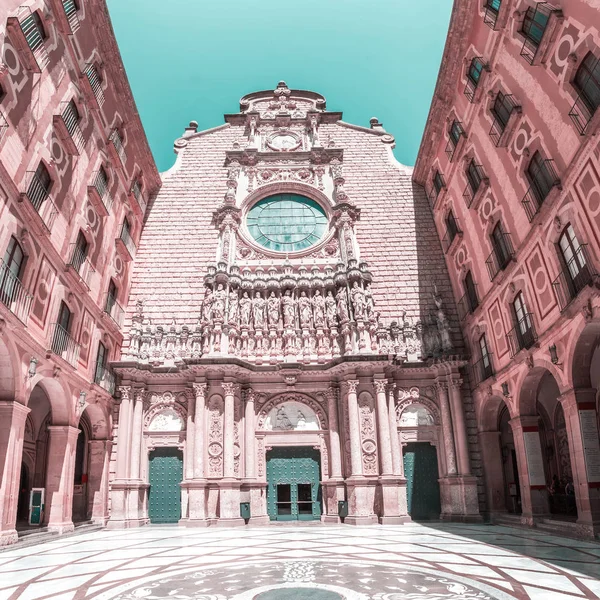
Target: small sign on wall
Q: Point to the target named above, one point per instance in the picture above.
(535, 459)
(591, 445)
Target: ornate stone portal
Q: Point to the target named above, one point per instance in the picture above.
(293, 341)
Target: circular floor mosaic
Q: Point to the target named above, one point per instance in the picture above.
(315, 580)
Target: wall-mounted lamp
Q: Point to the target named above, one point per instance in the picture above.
(505, 389)
(553, 354)
(32, 367)
(81, 402)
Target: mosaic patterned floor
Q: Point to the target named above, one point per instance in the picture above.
(411, 562)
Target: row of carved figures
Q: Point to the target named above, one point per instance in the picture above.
(292, 310)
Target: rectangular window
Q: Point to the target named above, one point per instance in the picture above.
(451, 226)
(71, 118)
(501, 245)
(33, 30)
(60, 339)
(535, 23)
(492, 9)
(471, 292)
(475, 69)
(525, 334)
(111, 297)
(100, 363)
(474, 176)
(587, 82)
(39, 186)
(455, 132)
(10, 271)
(438, 183)
(540, 177)
(80, 251)
(502, 110)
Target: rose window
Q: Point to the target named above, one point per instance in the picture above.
(286, 222)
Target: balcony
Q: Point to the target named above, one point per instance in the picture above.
(80, 264)
(138, 201)
(91, 84)
(492, 9)
(505, 114)
(468, 304)
(14, 295)
(114, 310)
(537, 29)
(545, 180)
(522, 336)
(454, 142)
(105, 378)
(27, 38)
(501, 255)
(477, 183)
(125, 245)
(482, 370)
(581, 113)
(98, 193)
(577, 274)
(115, 147)
(63, 345)
(36, 202)
(66, 125)
(451, 238)
(3, 126)
(70, 11)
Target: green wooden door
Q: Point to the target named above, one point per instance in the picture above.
(294, 491)
(166, 473)
(422, 487)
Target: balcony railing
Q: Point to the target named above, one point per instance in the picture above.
(475, 178)
(467, 304)
(117, 143)
(63, 345)
(482, 370)
(581, 113)
(69, 130)
(100, 189)
(577, 274)
(70, 8)
(502, 115)
(523, 335)
(33, 37)
(139, 197)
(81, 263)
(545, 179)
(39, 197)
(105, 378)
(113, 309)
(470, 89)
(125, 237)
(501, 255)
(13, 294)
(451, 234)
(533, 28)
(95, 82)
(3, 126)
(452, 143)
(491, 13)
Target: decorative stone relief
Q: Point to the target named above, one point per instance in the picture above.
(166, 420)
(215, 436)
(368, 435)
(299, 412)
(237, 447)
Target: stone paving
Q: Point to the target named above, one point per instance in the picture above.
(292, 562)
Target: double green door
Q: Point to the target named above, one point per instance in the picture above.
(422, 486)
(294, 491)
(165, 474)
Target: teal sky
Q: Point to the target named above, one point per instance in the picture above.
(194, 59)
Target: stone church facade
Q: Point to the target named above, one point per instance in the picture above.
(290, 294)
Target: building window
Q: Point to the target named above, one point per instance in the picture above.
(111, 297)
(34, 31)
(502, 246)
(100, 363)
(587, 84)
(79, 252)
(577, 271)
(60, 339)
(474, 175)
(483, 367)
(492, 8)
(71, 118)
(95, 81)
(542, 178)
(503, 107)
(71, 7)
(473, 77)
(438, 183)
(454, 134)
(533, 28)
(117, 142)
(39, 186)
(101, 182)
(10, 271)
(80, 458)
(524, 335)
(470, 292)
(452, 228)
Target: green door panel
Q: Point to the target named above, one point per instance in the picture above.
(165, 474)
(294, 491)
(422, 486)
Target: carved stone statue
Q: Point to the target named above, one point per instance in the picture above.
(289, 310)
(282, 421)
(318, 303)
(273, 310)
(330, 312)
(245, 309)
(342, 304)
(258, 311)
(442, 322)
(207, 305)
(358, 301)
(233, 313)
(369, 302)
(219, 301)
(305, 310)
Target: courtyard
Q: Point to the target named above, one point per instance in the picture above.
(418, 561)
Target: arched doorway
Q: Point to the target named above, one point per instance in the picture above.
(80, 480)
(510, 469)
(165, 473)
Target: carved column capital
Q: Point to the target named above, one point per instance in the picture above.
(391, 388)
(125, 392)
(229, 388)
(441, 386)
(331, 393)
(249, 395)
(200, 389)
(351, 386)
(455, 382)
(380, 385)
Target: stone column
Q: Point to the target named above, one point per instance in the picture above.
(123, 432)
(442, 389)
(534, 495)
(12, 431)
(136, 434)
(99, 460)
(334, 435)
(249, 434)
(197, 485)
(582, 433)
(354, 422)
(190, 435)
(459, 426)
(62, 444)
(383, 427)
(229, 486)
(397, 460)
(491, 455)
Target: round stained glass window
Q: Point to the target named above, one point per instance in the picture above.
(286, 222)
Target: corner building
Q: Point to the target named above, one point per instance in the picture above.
(511, 161)
(291, 338)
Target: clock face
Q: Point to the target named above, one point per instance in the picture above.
(284, 141)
